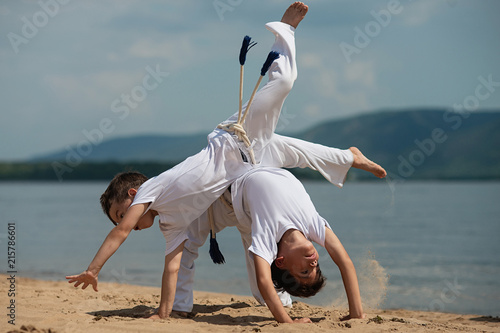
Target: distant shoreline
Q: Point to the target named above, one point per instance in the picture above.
(411, 144)
(104, 171)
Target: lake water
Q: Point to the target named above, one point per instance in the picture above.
(416, 245)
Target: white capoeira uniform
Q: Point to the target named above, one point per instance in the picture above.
(273, 201)
(180, 195)
(271, 150)
(266, 203)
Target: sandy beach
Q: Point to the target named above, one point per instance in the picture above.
(56, 306)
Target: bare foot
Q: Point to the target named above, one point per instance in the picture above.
(294, 14)
(361, 162)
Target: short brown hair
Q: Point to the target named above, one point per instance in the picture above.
(118, 189)
(283, 280)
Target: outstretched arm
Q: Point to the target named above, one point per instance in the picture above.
(266, 288)
(112, 242)
(169, 282)
(341, 258)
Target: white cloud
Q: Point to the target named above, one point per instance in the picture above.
(419, 12)
(178, 52)
(314, 64)
(361, 73)
(310, 60)
(93, 91)
(4, 10)
(312, 110)
(349, 86)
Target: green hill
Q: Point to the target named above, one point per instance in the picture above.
(411, 144)
(421, 144)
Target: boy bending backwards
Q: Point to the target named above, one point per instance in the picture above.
(181, 194)
(277, 222)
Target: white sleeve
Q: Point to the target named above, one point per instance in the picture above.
(173, 236)
(317, 232)
(260, 248)
(263, 238)
(148, 192)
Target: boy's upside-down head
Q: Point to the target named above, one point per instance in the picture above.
(296, 267)
(284, 280)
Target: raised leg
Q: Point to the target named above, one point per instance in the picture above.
(263, 115)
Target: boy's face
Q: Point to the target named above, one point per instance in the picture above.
(301, 261)
(118, 209)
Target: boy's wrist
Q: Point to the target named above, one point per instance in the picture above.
(93, 271)
(163, 312)
(357, 315)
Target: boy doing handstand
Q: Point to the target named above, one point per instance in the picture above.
(181, 194)
(284, 222)
(277, 222)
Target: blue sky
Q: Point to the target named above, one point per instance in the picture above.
(67, 67)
